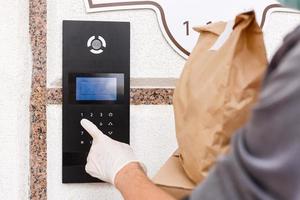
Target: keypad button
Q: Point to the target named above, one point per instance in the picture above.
(82, 142)
(110, 124)
(91, 115)
(81, 114)
(110, 132)
(81, 132)
(100, 124)
(101, 114)
(110, 114)
(91, 141)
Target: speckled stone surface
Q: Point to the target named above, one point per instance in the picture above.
(138, 96)
(38, 145)
(153, 96)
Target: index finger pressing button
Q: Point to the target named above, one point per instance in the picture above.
(90, 128)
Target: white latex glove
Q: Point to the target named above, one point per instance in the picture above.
(107, 156)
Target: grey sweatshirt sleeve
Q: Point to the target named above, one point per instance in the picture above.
(264, 162)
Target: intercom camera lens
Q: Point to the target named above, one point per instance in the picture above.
(96, 44)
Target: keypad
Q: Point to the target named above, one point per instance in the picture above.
(105, 121)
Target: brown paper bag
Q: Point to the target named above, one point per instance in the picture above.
(216, 91)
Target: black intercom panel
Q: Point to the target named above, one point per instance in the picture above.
(96, 60)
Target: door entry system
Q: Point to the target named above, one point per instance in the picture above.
(96, 59)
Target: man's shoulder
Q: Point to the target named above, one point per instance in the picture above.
(291, 61)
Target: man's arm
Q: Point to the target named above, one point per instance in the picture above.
(133, 183)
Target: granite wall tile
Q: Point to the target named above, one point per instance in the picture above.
(38, 145)
(138, 96)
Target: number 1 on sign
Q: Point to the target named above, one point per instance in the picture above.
(187, 24)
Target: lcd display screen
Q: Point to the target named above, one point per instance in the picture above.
(96, 89)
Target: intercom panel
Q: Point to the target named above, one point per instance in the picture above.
(96, 78)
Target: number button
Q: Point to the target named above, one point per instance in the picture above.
(101, 114)
(91, 115)
(110, 124)
(100, 124)
(81, 114)
(81, 133)
(82, 142)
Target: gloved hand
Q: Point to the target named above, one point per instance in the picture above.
(107, 156)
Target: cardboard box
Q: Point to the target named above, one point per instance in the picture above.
(172, 178)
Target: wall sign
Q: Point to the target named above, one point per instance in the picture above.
(177, 18)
